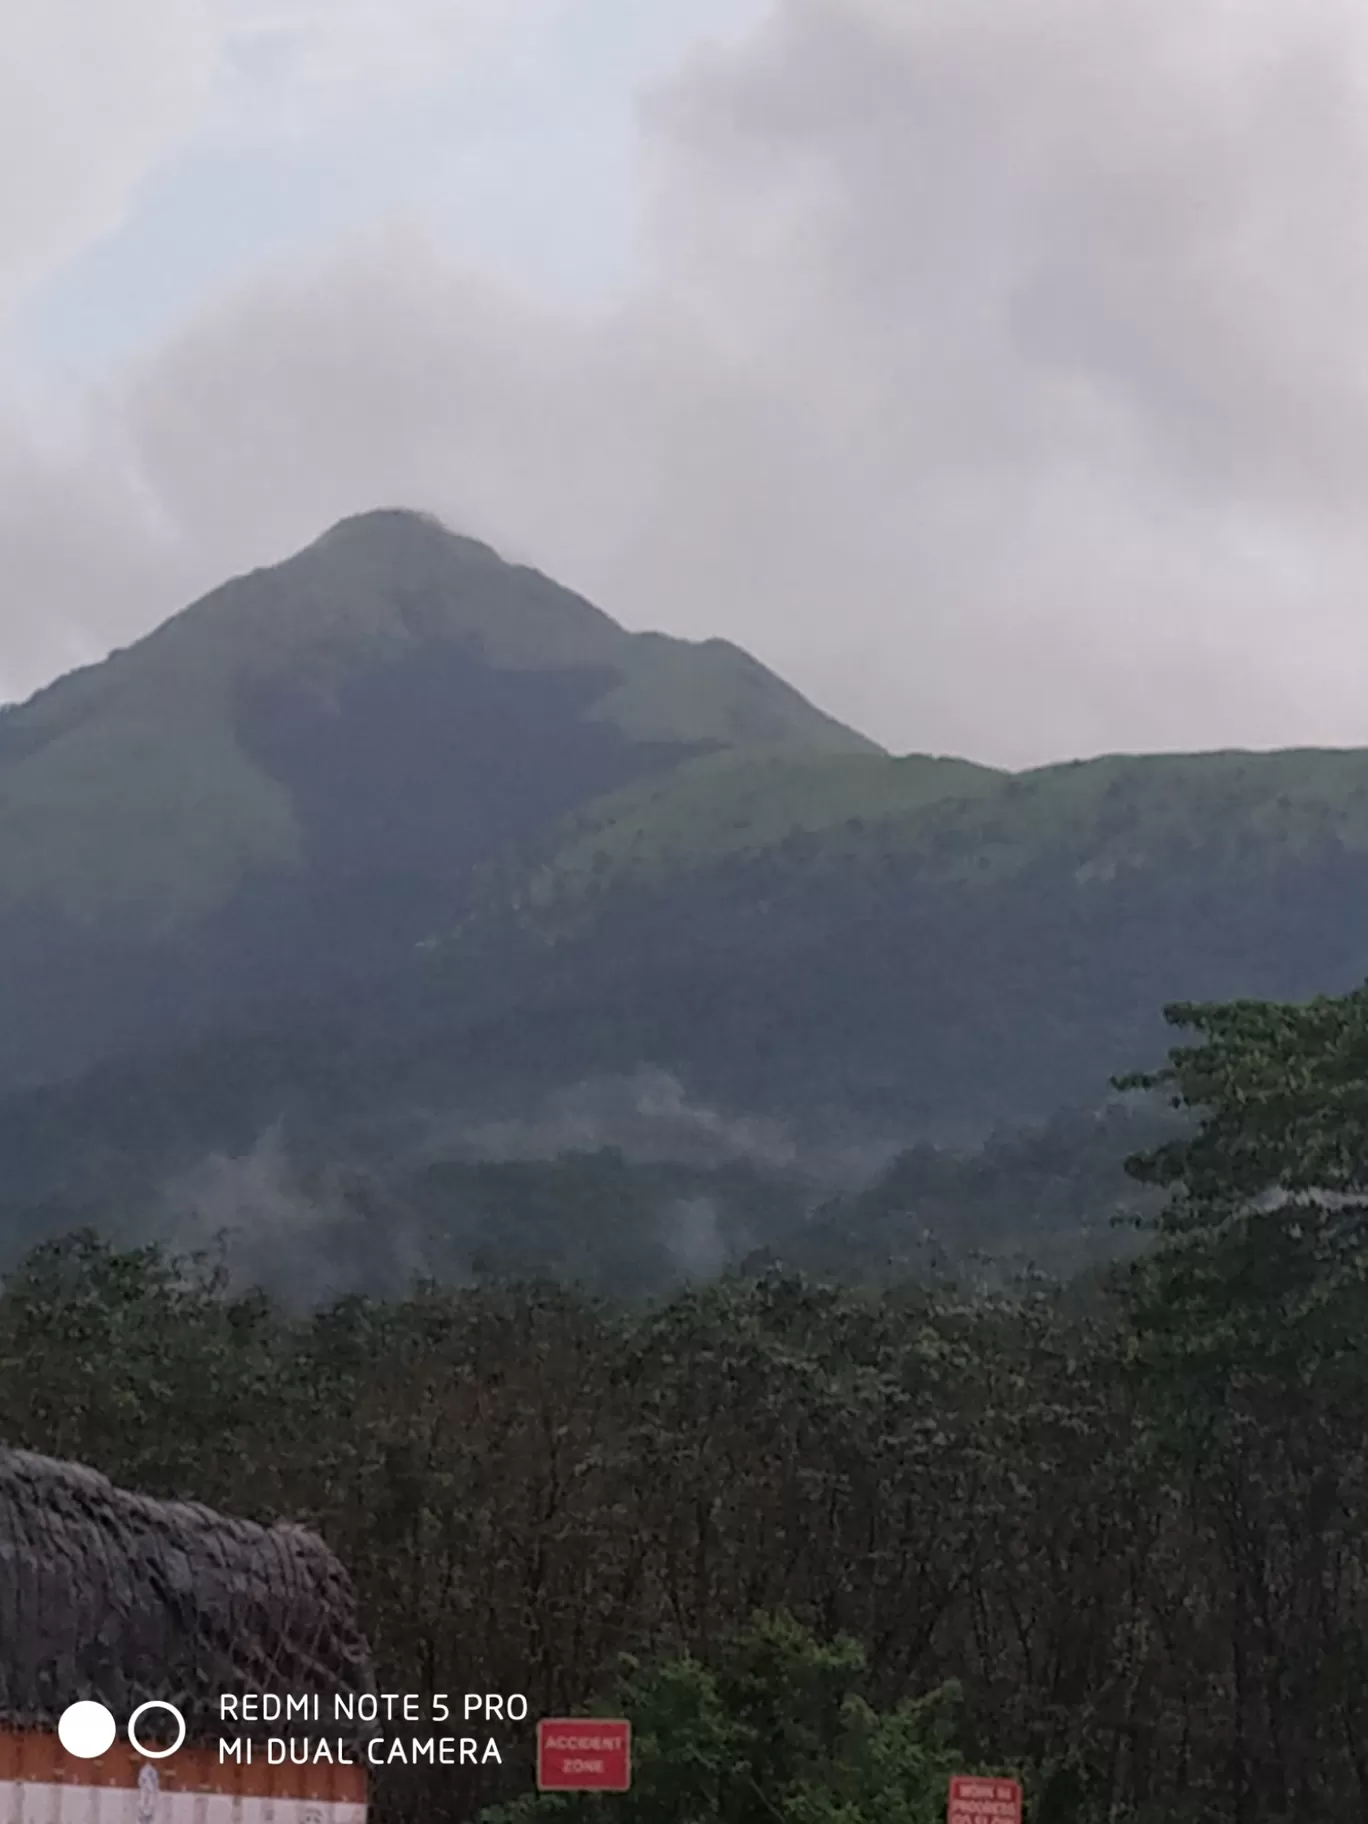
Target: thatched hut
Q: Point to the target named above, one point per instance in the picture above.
(114, 1596)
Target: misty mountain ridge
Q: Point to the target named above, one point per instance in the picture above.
(409, 855)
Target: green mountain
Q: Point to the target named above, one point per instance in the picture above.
(396, 843)
(953, 821)
(918, 946)
(291, 781)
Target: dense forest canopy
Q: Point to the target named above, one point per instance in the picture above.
(824, 1542)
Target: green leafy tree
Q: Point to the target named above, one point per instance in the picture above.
(1248, 1332)
(776, 1728)
(1263, 1255)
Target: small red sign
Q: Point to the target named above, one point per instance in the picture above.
(982, 1799)
(584, 1754)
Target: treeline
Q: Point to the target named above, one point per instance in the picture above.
(1127, 1518)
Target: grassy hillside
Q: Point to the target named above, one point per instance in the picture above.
(951, 821)
(726, 805)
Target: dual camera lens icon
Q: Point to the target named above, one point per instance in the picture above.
(87, 1730)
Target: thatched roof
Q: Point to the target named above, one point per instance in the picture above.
(110, 1595)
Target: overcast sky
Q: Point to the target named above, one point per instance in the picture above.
(994, 369)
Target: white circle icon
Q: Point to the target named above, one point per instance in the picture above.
(86, 1730)
(156, 1754)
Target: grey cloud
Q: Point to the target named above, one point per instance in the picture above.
(997, 374)
(86, 557)
(91, 98)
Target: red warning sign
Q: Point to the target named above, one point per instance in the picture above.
(976, 1799)
(584, 1754)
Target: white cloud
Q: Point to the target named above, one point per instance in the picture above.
(95, 99)
(294, 67)
(91, 98)
(85, 559)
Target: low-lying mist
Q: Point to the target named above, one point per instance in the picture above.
(628, 1186)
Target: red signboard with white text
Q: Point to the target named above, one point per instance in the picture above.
(981, 1799)
(584, 1754)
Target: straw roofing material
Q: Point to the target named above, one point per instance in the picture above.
(114, 1596)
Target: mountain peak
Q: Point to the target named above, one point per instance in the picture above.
(391, 662)
(395, 529)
